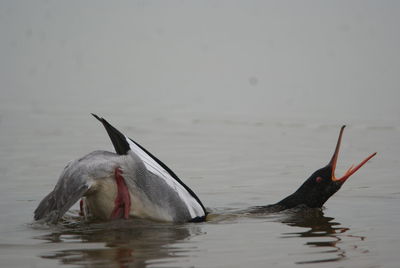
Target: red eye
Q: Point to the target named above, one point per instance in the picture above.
(318, 179)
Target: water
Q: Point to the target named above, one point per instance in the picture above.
(243, 106)
(229, 171)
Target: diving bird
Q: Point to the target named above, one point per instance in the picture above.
(130, 182)
(134, 183)
(318, 188)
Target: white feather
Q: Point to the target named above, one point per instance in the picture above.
(191, 203)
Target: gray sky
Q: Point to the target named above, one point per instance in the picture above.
(303, 60)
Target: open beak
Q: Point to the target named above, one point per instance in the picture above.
(352, 169)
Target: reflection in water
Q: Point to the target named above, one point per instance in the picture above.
(139, 243)
(125, 243)
(327, 233)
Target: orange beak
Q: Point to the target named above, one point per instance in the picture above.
(352, 169)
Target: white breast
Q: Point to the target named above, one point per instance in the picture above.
(100, 198)
(100, 201)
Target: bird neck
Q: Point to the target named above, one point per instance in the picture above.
(291, 201)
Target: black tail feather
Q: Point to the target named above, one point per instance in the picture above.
(118, 139)
(122, 147)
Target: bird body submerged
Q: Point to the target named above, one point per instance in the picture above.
(134, 183)
(128, 183)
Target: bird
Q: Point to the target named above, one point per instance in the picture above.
(318, 188)
(128, 183)
(132, 182)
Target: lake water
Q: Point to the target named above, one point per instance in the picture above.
(243, 100)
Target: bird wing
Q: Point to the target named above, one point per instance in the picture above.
(126, 146)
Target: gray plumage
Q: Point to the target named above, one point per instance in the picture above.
(155, 192)
(81, 177)
(74, 182)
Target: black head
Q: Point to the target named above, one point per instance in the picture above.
(322, 184)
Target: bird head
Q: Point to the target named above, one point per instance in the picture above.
(323, 183)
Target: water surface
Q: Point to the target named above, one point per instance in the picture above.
(242, 100)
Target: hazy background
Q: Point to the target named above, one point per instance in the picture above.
(294, 60)
(242, 99)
